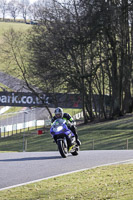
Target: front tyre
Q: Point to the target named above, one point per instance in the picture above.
(62, 148)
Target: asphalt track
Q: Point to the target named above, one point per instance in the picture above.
(25, 167)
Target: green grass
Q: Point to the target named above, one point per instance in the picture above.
(102, 183)
(5, 26)
(72, 112)
(7, 65)
(111, 135)
(35, 142)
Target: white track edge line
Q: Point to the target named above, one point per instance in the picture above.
(80, 170)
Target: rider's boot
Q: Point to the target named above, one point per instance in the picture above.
(78, 142)
(77, 139)
(73, 129)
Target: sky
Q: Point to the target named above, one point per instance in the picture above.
(19, 17)
(32, 1)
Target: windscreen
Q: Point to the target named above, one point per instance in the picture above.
(58, 122)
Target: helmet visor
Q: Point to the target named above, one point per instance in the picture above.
(59, 115)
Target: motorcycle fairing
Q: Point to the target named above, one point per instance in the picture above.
(59, 127)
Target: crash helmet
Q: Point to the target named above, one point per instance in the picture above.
(58, 112)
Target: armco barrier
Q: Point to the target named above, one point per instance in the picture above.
(78, 116)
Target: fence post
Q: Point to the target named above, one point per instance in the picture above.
(12, 129)
(25, 144)
(4, 131)
(93, 145)
(16, 128)
(127, 144)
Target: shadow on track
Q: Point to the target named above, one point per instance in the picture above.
(31, 158)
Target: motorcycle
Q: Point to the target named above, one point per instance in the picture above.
(64, 138)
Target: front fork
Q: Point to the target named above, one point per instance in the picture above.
(65, 142)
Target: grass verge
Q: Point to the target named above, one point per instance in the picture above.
(5, 26)
(110, 182)
(116, 135)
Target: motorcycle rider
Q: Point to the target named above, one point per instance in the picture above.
(60, 114)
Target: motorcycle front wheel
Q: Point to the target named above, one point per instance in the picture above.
(62, 148)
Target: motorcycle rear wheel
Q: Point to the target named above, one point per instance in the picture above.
(62, 149)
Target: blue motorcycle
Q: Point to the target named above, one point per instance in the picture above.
(64, 138)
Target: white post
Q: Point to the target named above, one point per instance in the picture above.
(24, 133)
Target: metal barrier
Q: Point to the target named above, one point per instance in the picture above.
(15, 122)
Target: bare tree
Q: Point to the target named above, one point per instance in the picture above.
(3, 7)
(14, 8)
(14, 53)
(61, 50)
(33, 11)
(37, 9)
(83, 47)
(81, 43)
(24, 9)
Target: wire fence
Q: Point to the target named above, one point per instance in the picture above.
(17, 122)
(115, 144)
(20, 122)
